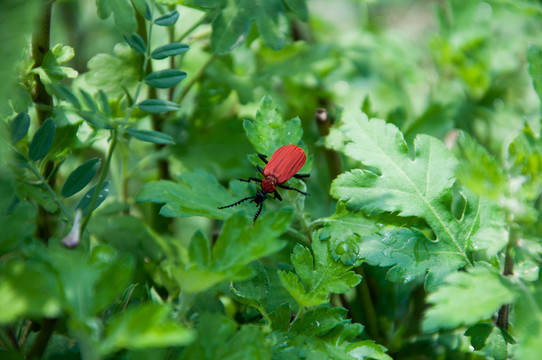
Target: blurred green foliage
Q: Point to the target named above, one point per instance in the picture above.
(124, 125)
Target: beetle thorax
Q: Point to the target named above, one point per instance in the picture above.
(269, 184)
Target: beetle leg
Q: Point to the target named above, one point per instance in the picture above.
(259, 169)
(300, 176)
(291, 188)
(258, 212)
(263, 157)
(237, 203)
(277, 196)
(250, 179)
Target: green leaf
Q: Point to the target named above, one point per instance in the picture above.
(146, 326)
(479, 334)
(170, 49)
(80, 177)
(156, 106)
(479, 170)
(106, 109)
(317, 276)
(114, 73)
(136, 42)
(67, 94)
(27, 289)
(298, 7)
(415, 183)
(231, 25)
(197, 194)
(84, 204)
(269, 131)
(122, 11)
(534, 57)
(96, 120)
(234, 249)
(255, 290)
(218, 338)
(151, 136)
(89, 101)
(164, 79)
(19, 127)
(466, 298)
(17, 221)
(167, 19)
(42, 140)
(50, 70)
(272, 23)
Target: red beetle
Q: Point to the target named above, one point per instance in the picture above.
(283, 165)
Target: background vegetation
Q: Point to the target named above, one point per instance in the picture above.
(126, 123)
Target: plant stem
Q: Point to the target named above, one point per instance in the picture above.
(332, 157)
(203, 19)
(364, 293)
(513, 237)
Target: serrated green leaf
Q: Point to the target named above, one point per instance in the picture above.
(367, 349)
(143, 327)
(122, 11)
(157, 106)
(80, 177)
(220, 338)
(231, 25)
(269, 131)
(136, 42)
(168, 50)
(318, 276)
(417, 185)
(272, 23)
(151, 136)
(318, 321)
(534, 57)
(19, 127)
(255, 290)
(167, 19)
(42, 140)
(84, 204)
(197, 194)
(164, 79)
(234, 249)
(199, 250)
(466, 298)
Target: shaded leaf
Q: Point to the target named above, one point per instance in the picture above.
(165, 78)
(231, 25)
(151, 136)
(42, 140)
(156, 106)
(84, 204)
(80, 177)
(122, 11)
(167, 50)
(136, 42)
(167, 19)
(19, 127)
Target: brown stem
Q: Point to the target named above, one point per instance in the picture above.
(43, 103)
(332, 157)
(504, 311)
(40, 46)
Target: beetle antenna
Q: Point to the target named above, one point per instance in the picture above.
(237, 203)
(258, 212)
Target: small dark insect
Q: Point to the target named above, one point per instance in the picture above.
(283, 165)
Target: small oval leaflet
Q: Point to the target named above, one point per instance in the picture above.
(89, 101)
(170, 49)
(84, 204)
(151, 136)
(167, 19)
(164, 79)
(19, 127)
(156, 106)
(136, 42)
(42, 140)
(80, 177)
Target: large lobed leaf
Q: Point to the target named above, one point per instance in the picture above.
(317, 276)
(408, 183)
(239, 243)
